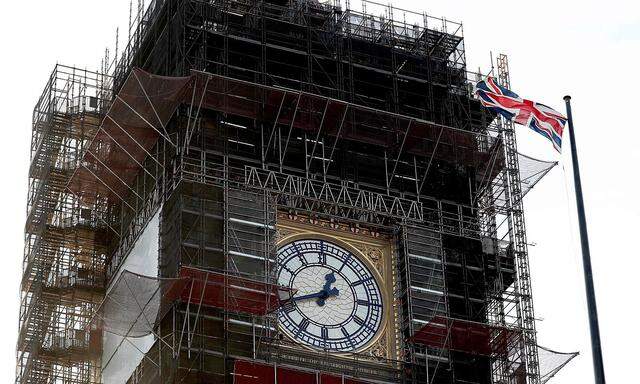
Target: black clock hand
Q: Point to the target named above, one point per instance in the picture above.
(309, 296)
(328, 292)
(325, 295)
(322, 294)
(331, 278)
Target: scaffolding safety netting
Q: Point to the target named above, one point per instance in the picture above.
(231, 292)
(486, 340)
(551, 362)
(135, 303)
(252, 372)
(532, 171)
(122, 146)
(135, 121)
(466, 336)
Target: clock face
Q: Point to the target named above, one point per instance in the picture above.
(337, 305)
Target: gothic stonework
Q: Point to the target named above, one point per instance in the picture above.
(379, 349)
(375, 255)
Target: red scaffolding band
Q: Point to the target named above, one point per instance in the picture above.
(231, 293)
(466, 336)
(250, 372)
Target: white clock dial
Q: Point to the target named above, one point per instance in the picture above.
(337, 305)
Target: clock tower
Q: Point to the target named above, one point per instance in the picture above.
(278, 192)
(326, 194)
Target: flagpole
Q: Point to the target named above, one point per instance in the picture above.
(596, 349)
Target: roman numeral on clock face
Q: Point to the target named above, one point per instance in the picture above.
(302, 326)
(300, 254)
(289, 307)
(361, 281)
(362, 323)
(368, 303)
(347, 337)
(322, 256)
(345, 261)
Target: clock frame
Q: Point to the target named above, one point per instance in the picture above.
(376, 252)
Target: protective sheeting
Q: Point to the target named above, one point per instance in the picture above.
(130, 129)
(121, 355)
(136, 303)
(251, 372)
(140, 112)
(128, 315)
(487, 340)
(143, 258)
(532, 171)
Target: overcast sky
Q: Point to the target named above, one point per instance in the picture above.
(589, 49)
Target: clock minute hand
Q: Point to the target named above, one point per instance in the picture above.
(309, 296)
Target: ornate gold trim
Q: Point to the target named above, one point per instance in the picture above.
(373, 249)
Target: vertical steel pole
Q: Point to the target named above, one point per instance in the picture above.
(596, 349)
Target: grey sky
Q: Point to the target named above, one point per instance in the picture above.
(589, 49)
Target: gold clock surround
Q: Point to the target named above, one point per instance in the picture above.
(373, 249)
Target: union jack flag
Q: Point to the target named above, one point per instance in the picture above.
(539, 117)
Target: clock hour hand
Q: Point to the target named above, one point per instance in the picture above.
(331, 278)
(327, 290)
(325, 295)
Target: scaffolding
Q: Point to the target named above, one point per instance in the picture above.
(229, 224)
(225, 115)
(65, 242)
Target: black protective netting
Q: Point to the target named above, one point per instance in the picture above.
(551, 362)
(135, 303)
